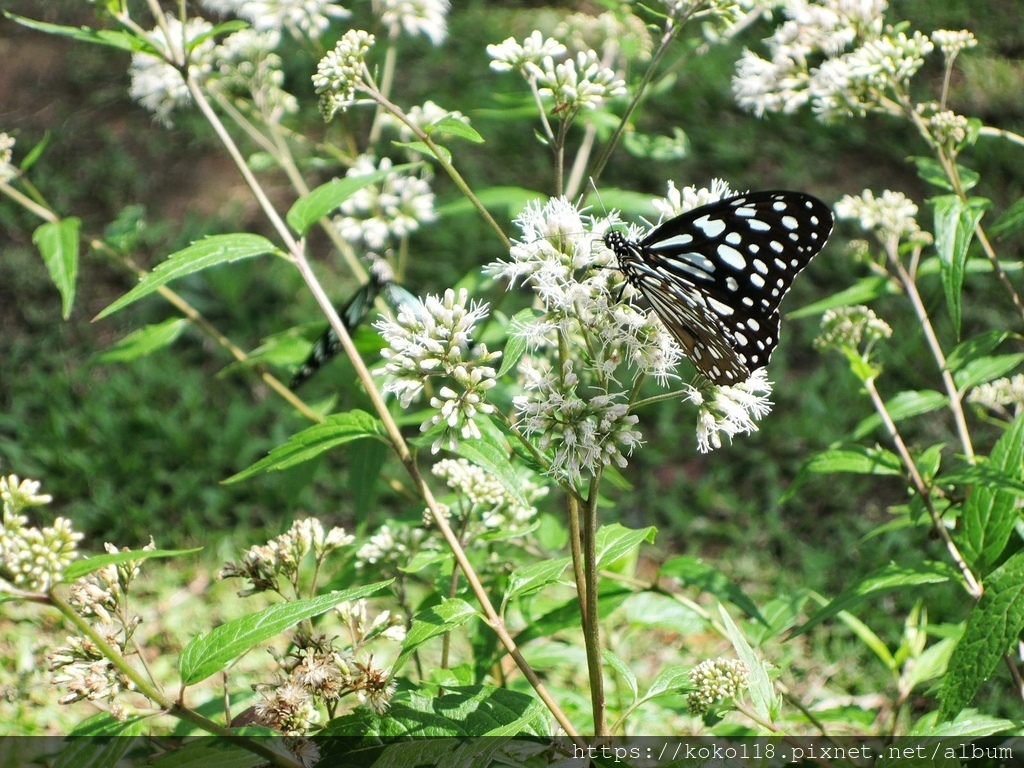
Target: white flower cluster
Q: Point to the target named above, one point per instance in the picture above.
(582, 433)
(488, 502)
(391, 209)
(716, 680)
(579, 83)
(416, 17)
(7, 169)
(952, 41)
(390, 548)
(891, 214)
(246, 63)
(262, 564)
(433, 339)
(731, 410)
(614, 32)
(301, 18)
(849, 327)
(1000, 395)
(340, 72)
(32, 558)
(866, 63)
(158, 86)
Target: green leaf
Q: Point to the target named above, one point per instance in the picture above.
(1010, 221)
(762, 692)
(567, 615)
(990, 513)
(903, 405)
(672, 679)
(993, 627)
(533, 578)
(143, 341)
(889, 578)
(955, 221)
(495, 460)
(975, 347)
(216, 249)
(114, 39)
(207, 654)
(434, 621)
(615, 541)
(85, 752)
(337, 429)
(310, 208)
(968, 723)
(693, 573)
(87, 565)
(516, 345)
(364, 468)
(57, 242)
(454, 127)
(929, 169)
(864, 291)
(612, 660)
(200, 753)
(985, 369)
(103, 724)
(854, 460)
(461, 711)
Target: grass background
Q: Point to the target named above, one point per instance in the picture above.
(133, 450)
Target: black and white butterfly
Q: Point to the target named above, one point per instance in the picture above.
(352, 316)
(715, 275)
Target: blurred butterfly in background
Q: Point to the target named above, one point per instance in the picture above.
(716, 275)
(380, 283)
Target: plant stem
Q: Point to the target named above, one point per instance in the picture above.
(591, 612)
(973, 587)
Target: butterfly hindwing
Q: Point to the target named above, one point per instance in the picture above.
(716, 275)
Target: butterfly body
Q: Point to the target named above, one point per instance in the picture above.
(716, 275)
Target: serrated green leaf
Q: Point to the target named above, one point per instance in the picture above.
(889, 578)
(364, 468)
(990, 512)
(337, 429)
(208, 252)
(87, 565)
(103, 724)
(533, 578)
(672, 679)
(955, 222)
(692, 572)
(454, 127)
(143, 342)
(975, 347)
(462, 711)
(968, 723)
(903, 405)
(200, 753)
(993, 627)
(436, 620)
(932, 171)
(612, 660)
(310, 208)
(984, 369)
(759, 685)
(864, 291)
(207, 654)
(99, 752)
(855, 460)
(495, 460)
(108, 37)
(57, 242)
(615, 541)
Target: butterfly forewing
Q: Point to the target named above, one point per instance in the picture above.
(716, 275)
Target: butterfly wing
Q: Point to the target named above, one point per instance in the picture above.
(717, 274)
